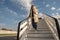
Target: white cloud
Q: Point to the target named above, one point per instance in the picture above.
(53, 14)
(47, 5)
(58, 9)
(11, 11)
(53, 8)
(26, 4)
(57, 13)
(23, 16)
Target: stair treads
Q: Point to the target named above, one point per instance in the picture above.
(39, 32)
(41, 29)
(40, 35)
(40, 39)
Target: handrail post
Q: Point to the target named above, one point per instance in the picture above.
(57, 26)
(18, 30)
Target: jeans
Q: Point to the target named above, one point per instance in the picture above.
(34, 24)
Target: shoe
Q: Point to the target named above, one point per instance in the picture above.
(35, 30)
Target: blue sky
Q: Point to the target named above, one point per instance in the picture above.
(13, 11)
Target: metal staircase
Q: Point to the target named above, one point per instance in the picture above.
(47, 28)
(42, 33)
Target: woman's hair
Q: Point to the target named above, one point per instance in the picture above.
(34, 9)
(32, 6)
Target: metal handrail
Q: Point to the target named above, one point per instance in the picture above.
(57, 24)
(19, 24)
(46, 17)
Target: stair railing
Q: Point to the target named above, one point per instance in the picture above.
(22, 27)
(53, 25)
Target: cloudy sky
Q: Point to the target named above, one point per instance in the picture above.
(13, 11)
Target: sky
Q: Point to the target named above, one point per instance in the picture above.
(13, 11)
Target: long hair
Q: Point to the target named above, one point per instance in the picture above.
(30, 15)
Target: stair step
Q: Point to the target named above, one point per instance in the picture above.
(39, 32)
(40, 39)
(41, 26)
(40, 29)
(40, 35)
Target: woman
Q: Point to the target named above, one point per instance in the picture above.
(34, 16)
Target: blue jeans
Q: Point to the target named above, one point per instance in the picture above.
(34, 24)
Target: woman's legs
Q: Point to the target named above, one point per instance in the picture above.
(35, 25)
